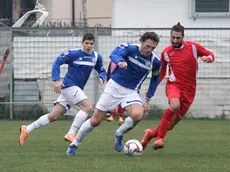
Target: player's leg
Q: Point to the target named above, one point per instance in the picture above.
(44, 120)
(61, 106)
(120, 114)
(186, 102)
(78, 98)
(173, 93)
(178, 116)
(112, 115)
(149, 134)
(86, 128)
(79, 119)
(135, 112)
(134, 108)
(104, 104)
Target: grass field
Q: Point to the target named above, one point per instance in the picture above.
(193, 146)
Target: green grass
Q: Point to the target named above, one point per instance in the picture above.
(193, 146)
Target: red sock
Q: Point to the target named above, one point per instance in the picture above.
(120, 111)
(112, 114)
(155, 131)
(165, 123)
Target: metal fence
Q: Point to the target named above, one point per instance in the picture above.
(26, 89)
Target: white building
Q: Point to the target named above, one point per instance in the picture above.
(166, 13)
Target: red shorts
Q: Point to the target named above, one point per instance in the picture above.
(186, 97)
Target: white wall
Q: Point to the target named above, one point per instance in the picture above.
(58, 10)
(160, 14)
(62, 10)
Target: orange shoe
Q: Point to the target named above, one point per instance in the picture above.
(121, 120)
(158, 144)
(110, 119)
(23, 135)
(147, 138)
(70, 137)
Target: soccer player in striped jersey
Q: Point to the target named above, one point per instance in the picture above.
(134, 63)
(80, 63)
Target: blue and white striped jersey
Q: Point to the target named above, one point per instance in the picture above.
(80, 65)
(138, 68)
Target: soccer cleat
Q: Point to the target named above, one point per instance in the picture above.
(110, 119)
(70, 137)
(147, 138)
(118, 143)
(23, 135)
(121, 120)
(71, 150)
(158, 144)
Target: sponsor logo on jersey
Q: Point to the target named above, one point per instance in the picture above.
(94, 60)
(147, 63)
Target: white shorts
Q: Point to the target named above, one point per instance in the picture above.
(115, 94)
(70, 96)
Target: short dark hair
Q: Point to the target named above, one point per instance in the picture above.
(150, 35)
(88, 36)
(178, 28)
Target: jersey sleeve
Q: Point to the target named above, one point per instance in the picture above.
(201, 51)
(99, 67)
(119, 53)
(154, 79)
(61, 59)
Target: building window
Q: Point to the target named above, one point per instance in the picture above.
(210, 8)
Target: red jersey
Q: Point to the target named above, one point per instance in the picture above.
(183, 64)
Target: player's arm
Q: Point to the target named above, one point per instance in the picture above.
(206, 55)
(154, 80)
(63, 58)
(119, 54)
(163, 68)
(99, 67)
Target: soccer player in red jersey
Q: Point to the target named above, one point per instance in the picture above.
(182, 60)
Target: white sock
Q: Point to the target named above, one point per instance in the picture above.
(85, 129)
(41, 122)
(126, 126)
(80, 117)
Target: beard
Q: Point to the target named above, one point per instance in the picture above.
(177, 45)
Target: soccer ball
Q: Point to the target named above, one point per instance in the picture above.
(133, 148)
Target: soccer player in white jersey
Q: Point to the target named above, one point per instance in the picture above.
(80, 62)
(134, 62)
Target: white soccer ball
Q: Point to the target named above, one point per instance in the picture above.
(133, 148)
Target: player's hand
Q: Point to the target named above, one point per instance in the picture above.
(122, 65)
(57, 86)
(205, 59)
(146, 107)
(101, 82)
